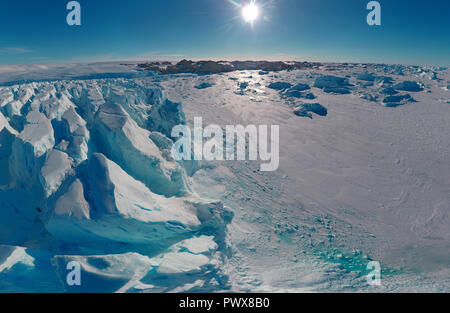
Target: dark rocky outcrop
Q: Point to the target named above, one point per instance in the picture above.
(212, 67)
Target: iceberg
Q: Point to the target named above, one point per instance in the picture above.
(93, 158)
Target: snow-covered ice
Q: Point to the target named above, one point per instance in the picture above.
(87, 176)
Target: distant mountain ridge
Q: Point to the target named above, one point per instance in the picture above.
(210, 67)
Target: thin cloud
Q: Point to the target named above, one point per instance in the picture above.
(154, 55)
(16, 50)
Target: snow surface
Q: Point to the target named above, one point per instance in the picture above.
(87, 176)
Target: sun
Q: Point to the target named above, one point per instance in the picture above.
(250, 12)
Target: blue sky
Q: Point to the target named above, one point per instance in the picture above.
(412, 31)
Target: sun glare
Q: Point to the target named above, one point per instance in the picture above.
(250, 12)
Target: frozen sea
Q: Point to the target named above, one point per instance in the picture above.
(87, 176)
